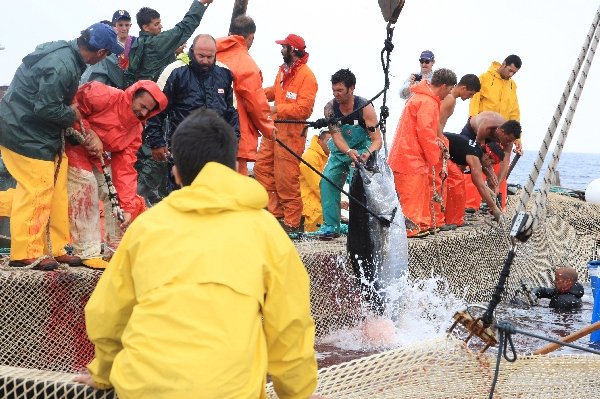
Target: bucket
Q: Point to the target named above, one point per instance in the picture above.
(594, 273)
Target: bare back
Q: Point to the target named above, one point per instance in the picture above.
(485, 123)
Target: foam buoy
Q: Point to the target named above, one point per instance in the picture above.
(592, 192)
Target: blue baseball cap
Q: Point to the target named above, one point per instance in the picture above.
(427, 55)
(103, 36)
(121, 14)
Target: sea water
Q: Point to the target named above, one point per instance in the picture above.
(576, 170)
(426, 312)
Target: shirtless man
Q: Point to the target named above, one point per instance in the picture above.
(465, 89)
(491, 126)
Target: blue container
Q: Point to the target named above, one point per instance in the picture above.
(594, 273)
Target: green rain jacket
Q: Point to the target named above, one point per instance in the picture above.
(150, 54)
(36, 108)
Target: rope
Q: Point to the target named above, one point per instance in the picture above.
(522, 233)
(528, 188)
(541, 198)
(350, 197)
(505, 333)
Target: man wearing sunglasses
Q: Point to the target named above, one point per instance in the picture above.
(426, 60)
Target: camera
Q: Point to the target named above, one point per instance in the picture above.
(418, 77)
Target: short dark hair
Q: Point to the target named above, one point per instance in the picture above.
(344, 76)
(471, 82)
(323, 132)
(496, 149)
(145, 15)
(202, 137)
(84, 42)
(513, 60)
(443, 76)
(512, 127)
(242, 25)
(141, 92)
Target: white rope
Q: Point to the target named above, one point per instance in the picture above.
(528, 189)
(541, 197)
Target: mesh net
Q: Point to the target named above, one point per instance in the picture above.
(42, 324)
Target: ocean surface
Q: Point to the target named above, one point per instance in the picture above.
(576, 170)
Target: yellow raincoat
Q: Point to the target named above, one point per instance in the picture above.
(204, 296)
(309, 184)
(496, 94)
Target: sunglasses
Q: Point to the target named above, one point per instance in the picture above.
(424, 61)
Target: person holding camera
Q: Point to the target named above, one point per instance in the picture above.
(426, 60)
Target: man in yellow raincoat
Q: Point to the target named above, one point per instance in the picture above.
(316, 155)
(189, 306)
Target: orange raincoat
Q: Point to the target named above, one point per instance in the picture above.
(252, 104)
(107, 111)
(276, 169)
(415, 152)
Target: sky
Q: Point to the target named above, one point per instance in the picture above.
(465, 36)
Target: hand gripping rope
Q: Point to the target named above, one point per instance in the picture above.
(112, 191)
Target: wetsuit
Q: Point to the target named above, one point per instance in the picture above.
(567, 301)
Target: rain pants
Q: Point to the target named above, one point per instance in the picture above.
(309, 184)
(108, 112)
(414, 154)
(252, 104)
(33, 113)
(276, 168)
(210, 322)
(498, 95)
(354, 132)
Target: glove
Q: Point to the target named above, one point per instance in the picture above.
(535, 292)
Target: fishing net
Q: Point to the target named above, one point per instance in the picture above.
(42, 324)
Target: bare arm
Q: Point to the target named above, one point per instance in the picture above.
(477, 178)
(370, 118)
(446, 110)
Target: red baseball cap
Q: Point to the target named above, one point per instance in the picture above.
(293, 40)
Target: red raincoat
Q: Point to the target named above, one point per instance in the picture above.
(107, 111)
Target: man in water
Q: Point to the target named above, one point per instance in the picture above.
(567, 291)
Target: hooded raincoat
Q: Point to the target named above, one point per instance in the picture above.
(415, 152)
(276, 169)
(498, 95)
(253, 108)
(36, 106)
(107, 111)
(33, 113)
(309, 184)
(214, 321)
(151, 53)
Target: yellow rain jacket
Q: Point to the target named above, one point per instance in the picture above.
(309, 184)
(497, 94)
(204, 296)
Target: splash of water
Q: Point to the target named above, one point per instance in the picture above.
(420, 310)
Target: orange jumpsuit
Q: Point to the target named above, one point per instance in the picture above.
(252, 104)
(276, 169)
(414, 153)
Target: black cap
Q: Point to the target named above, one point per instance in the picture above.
(119, 15)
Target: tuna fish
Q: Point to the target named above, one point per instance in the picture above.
(377, 244)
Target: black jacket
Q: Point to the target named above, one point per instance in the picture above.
(567, 301)
(187, 89)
